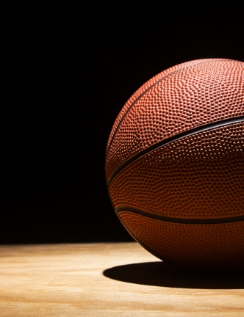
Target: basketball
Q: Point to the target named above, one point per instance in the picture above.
(175, 165)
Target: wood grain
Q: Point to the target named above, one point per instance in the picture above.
(109, 280)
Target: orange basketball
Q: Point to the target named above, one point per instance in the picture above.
(175, 165)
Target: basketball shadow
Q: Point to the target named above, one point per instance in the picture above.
(167, 275)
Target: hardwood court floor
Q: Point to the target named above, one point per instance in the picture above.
(109, 279)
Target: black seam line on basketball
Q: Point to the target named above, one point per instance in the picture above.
(161, 79)
(179, 220)
(179, 136)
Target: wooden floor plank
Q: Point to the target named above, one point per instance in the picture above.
(109, 279)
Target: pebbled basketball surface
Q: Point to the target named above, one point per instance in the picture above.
(175, 165)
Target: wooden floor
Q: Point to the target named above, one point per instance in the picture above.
(109, 280)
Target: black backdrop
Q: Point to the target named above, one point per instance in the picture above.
(69, 72)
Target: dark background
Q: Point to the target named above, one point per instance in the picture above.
(69, 72)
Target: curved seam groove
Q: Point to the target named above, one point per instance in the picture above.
(175, 138)
(179, 220)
